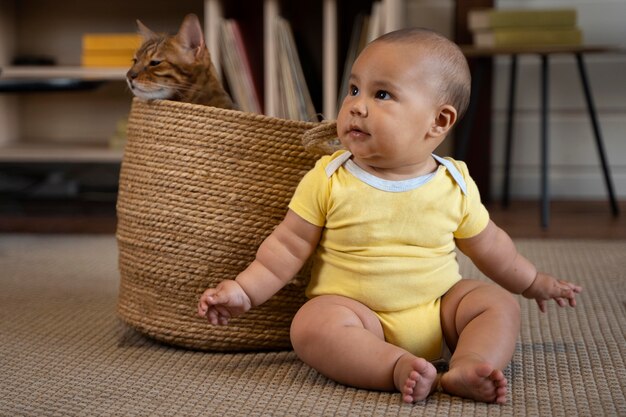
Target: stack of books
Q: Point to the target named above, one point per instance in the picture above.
(109, 49)
(237, 68)
(524, 27)
(294, 98)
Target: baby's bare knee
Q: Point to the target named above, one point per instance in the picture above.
(491, 299)
(507, 306)
(307, 328)
(507, 302)
(323, 319)
(300, 333)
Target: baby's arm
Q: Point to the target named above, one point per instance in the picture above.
(278, 259)
(494, 253)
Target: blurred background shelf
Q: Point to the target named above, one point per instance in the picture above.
(55, 152)
(46, 96)
(45, 72)
(59, 121)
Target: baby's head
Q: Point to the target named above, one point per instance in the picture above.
(407, 89)
(449, 70)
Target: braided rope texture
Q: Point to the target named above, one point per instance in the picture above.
(322, 139)
(199, 190)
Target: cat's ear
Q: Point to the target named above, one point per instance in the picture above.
(190, 34)
(144, 31)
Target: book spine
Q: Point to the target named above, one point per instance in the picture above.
(529, 37)
(491, 18)
(237, 68)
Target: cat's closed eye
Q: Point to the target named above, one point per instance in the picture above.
(154, 63)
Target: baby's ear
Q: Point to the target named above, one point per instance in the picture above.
(444, 121)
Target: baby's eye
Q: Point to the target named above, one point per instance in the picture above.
(154, 63)
(354, 90)
(382, 95)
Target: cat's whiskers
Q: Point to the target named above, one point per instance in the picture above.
(187, 86)
(174, 86)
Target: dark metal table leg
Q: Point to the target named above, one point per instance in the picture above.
(598, 136)
(545, 156)
(508, 150)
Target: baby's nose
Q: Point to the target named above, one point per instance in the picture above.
(358, 108)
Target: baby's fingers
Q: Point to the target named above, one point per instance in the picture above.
(209, 299)
(564, 290)
(218, 316)
(203, 305)
(217, 297)
(560, 301)
(577, 289)
(542, 305)
(568, 294)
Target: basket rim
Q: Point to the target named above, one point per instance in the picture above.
(196, 109)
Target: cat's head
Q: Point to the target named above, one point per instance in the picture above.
(164, 65)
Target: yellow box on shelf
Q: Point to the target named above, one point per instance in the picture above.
(110, 59)
(111, 41)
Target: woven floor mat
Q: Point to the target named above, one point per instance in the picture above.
(63, 352)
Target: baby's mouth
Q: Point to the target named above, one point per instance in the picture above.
(357, 131)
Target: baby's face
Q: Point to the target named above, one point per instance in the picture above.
(390, 107)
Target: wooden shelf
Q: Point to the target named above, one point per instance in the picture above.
(477, 51)
(52, 72)
(58, 152)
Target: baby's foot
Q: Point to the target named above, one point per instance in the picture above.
(414, 377)
(476, 380)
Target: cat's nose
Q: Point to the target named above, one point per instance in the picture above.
(132, 74)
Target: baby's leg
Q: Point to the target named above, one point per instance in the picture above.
(343, 340)
(481, 323)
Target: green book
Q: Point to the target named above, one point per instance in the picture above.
(480, 19)
(531, 36)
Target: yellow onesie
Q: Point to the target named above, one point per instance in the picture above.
(390, 244)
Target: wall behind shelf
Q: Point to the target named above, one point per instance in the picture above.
(7, 32)
(7, 41)
(81, 117)
(55, 28)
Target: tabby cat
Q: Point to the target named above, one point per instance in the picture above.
(176, 67)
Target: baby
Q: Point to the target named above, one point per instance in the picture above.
(382, 219)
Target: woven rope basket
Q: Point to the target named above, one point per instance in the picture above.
(200, 188)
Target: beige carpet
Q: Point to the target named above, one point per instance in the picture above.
(63, 352)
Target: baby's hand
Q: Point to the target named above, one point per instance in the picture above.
(546, 287)
(221, 303)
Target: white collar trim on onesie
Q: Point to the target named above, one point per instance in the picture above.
(388, 185)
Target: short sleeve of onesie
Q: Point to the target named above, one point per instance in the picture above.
(310, 200)
(475, 216)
